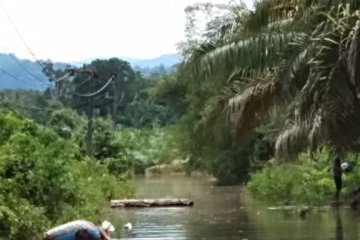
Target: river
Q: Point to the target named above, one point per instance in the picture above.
(226, 213)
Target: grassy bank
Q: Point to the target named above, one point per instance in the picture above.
(304, 181)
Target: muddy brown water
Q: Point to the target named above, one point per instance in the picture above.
(227, 213)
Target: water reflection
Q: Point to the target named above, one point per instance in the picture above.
(224, 213)
(339, 227)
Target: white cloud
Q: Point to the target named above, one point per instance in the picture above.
(72, 30)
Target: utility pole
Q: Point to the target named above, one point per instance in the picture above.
(90, 111)
(90, 129)
(115, 104)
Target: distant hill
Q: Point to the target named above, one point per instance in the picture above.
(10, 65)
(22, 79)
(164, 64)
(167, 60)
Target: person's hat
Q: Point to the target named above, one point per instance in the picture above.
(106, 225)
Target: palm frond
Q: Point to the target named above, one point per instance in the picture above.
(293, 69)
(327, 109)
(282, 25)
(268, 11)
(292, 140)
(252, 52)
(250, 104)
(353, 59)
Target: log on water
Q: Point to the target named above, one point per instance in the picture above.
(170, 202)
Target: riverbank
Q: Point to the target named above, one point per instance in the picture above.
(304, 181)
(175, 168)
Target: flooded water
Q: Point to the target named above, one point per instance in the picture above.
(226, 213)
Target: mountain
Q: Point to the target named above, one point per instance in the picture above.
(25, 74)
(17, 73)
(163, 64)
(167, 60)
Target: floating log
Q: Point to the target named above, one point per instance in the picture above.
(168, 202)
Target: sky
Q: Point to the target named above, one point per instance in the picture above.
(76, 30)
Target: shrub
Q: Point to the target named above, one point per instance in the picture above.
(45, 181)
(303, 181)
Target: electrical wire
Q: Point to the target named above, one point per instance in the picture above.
(83, 82)
(14, 77)
(62, 78)
(10, 75)
(19, 34)
(24, 69)
(98, 91)
(41, 65)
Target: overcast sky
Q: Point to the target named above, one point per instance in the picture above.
(74, 30)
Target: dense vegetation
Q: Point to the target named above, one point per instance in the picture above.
(256, 88)
(46, 180)
(18, 73)
(275, 81)
(46, 177)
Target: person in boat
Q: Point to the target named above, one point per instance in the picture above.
(80, 230)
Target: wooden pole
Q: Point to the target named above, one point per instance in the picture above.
(115, 104)
(90, 130)
(89, 145)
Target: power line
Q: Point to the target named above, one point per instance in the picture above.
(83, 82)
(10, 75)
(19, 34)
(62, 78)
(98, 91)
(101, 99)
(23, 68)
(13, 76)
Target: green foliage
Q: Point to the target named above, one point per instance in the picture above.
(303, 182)
(125, 100)
(146, 113)
(295, 58)
(233, 164)
(104, 144)
(33, 104)
(44, 180)
(147, 147)
(291, 184)
(65, 122)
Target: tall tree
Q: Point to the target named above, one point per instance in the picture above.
(296, 58)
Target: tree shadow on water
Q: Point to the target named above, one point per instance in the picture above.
(339, 234)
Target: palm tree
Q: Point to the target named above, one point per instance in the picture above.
(299, 56)
(302, 54)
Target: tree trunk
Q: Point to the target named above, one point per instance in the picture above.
(173, 202)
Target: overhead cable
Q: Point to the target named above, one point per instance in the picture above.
(24, 69)
(19, 34)
(98, 91)
(14, 77)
